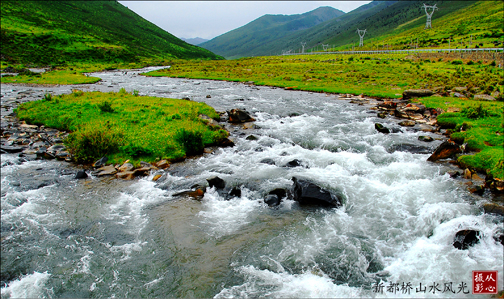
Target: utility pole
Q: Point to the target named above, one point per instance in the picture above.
(361, 35)
(429, 14)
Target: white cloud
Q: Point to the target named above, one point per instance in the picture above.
(208, 19)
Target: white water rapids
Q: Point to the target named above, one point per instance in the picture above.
(112, 238)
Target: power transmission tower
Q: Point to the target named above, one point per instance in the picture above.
(303, 44)
(361, 35)
(429, 14)
(325, 47)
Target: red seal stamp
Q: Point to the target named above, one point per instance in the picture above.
(484, 282)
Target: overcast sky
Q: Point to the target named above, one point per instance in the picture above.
(208, 19)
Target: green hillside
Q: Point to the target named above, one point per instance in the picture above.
(386, 18)
(61, 32)
(396, 24)
(245, 40)
(473, 26)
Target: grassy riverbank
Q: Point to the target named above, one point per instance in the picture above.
(372, 75)
(125, 126)
(478, 123)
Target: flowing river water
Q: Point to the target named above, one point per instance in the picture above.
(103, 237)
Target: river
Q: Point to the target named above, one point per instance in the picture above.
(103, 237)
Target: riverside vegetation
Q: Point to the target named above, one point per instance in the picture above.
(478, 123)
(125, 126)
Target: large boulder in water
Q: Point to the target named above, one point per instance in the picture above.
(445, 150)
(308, 193)
(239, 116)
(466, 238)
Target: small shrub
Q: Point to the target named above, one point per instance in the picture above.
(135, 92)
(191, 141)
(475, 112)
(47, 97)
(493, 63)
(470, 62)
(457, 62)
(92, 142)
(106, 107)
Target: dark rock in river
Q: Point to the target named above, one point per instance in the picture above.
(445, 150)
(227, 142)
(217, 182)
(234, 192)
(101, 162)
(281, 193)
(308, 193)
(239, 116)
(81, 174)
(293, 163)
(272, 200)
(268, 161)
(466, 238)
(382, 129)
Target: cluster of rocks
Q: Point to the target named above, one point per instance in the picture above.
(126, 170)
(304, 191)
(33, 142)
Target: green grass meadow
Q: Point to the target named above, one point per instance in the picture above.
(125, 126)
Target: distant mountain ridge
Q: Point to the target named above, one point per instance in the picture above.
(244, 40)
(194, 41)
(58, 32)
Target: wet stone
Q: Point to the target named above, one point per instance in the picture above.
(81, 174)
(267, 161)
(465, 239)
(381, 128)
(216, 182)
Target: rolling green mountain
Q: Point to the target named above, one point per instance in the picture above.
(59, 32)
(394, 23)
(381, 19)
(267, 29)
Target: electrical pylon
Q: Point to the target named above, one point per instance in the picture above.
(361, 35)
(429, 14)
